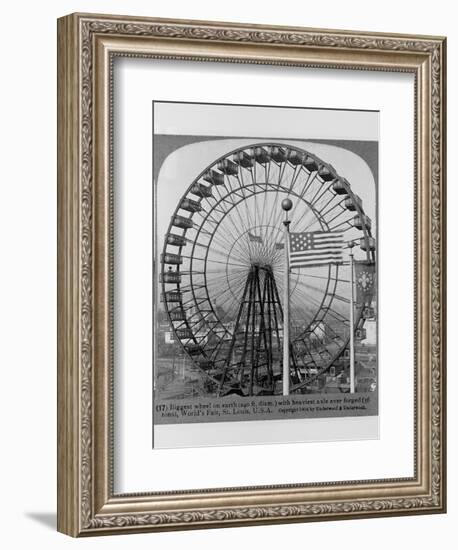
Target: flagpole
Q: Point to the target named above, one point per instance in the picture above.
(286, 205)
(352, 322)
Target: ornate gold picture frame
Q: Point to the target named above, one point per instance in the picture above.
(87, 46)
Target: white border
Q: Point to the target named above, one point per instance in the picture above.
(137, 467)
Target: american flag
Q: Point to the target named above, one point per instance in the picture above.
(315, 248)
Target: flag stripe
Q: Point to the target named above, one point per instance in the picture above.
(313, 253)
(316, 264)
(306, 261)
(329, 244)
(314, 260)
(322, 234)
(315, 257)
(317, 250)
(329, 237)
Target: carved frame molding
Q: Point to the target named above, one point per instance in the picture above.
(87, 46)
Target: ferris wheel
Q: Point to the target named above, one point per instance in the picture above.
(222, 270)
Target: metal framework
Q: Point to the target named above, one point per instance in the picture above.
(222, 271)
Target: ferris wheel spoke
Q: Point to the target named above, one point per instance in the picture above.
(228, 302)
(299, 312)
(206, 247)
(241, 252)
(321, 207)
(199, 339)
(278, 252)
(312, 216)
(252, 172)
(243, 223)
(276, 201)
(320, 192)
(234, 278)
(310, 297)
(277, 222)
(241, 177)
(231, 279)
(311, 178)
(334, 206)
(336, 315)
(224, 263)
(333, 295)
(274, 235)
(210, 271)
(301, 317)
(207, 210)
(345, 222)
(272, 213)
(304, 274)
(244, 188)
(300, 292)
(309, 224)
(309, 220)
(204, 321)
(270, 252)
(238, 254)
(198, 319)
(264, 206)
(298, 171)
(303, 284)
(262, 247)
(224, 276)
(226, 313)
(304, 307)
(306, 355)
(306, 296)
(206, 215)
(258, 188)
(341, 298)
(234, 282)
(281, 172)
(279, 216)
(243, 246)
(224, 254)
(315, 222)
(231, 228)
(337, 216)
(256, 211)
(327, 310)
(305, 302)
(187, 304)
(246, 224)
(240, 193)
(331, 329)
(266, 171)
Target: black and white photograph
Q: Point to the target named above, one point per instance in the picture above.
(265, 264)
(226, 256)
